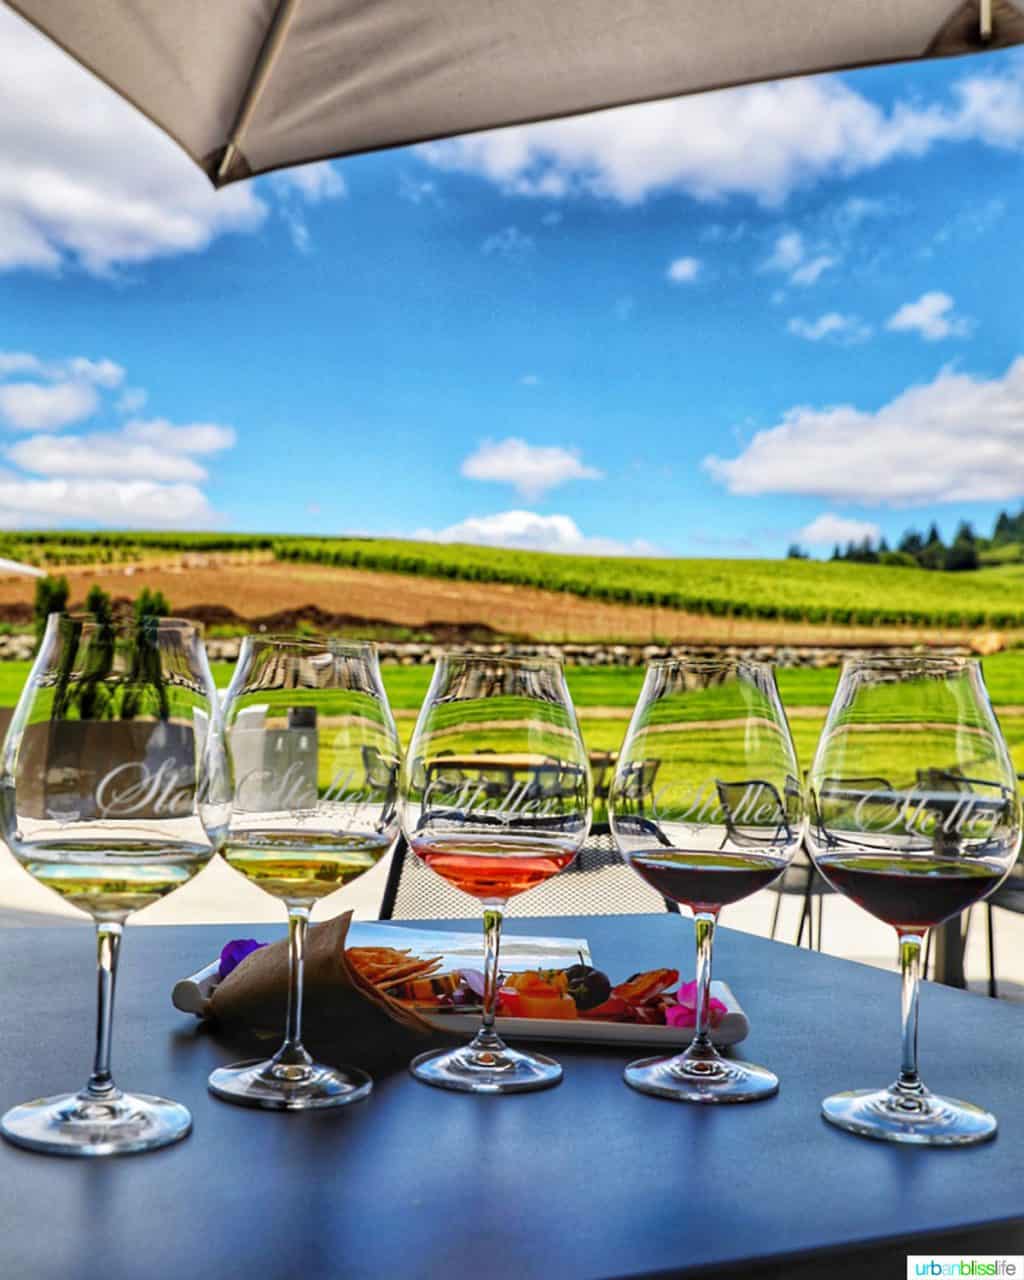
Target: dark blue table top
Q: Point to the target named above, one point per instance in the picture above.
(586, 1180)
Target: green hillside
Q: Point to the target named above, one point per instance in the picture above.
(794, 590)
(838, 592)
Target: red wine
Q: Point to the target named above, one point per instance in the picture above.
(706, 880)
(912, 893)
(494, 870)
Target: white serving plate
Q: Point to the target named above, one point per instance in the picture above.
(733, 1028)
(462, 951)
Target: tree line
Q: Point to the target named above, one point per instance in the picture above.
(52, 597)
(928, 550)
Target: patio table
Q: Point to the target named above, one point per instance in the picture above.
(585, 1180)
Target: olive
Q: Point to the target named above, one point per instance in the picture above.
(588, 986)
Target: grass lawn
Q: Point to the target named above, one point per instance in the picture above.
(614, 686)
(618, 687)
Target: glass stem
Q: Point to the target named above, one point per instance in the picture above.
(704, 929)
(292, 1053)
(108, 948)
(910, 967)
(487, 1039)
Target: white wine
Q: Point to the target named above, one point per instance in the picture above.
(300, 866)
(112, 879)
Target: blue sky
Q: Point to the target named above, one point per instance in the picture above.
(705, 327)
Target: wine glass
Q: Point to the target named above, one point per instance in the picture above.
(915, 815)
(113, 793)
(495, 797)
(314, 756)
(706, 806)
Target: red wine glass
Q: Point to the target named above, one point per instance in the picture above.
(915, 815)
(495, 798)
(706, 806)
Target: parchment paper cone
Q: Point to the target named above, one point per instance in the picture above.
(344, 1017)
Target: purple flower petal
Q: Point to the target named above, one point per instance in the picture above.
(235, 952)
(474, 980)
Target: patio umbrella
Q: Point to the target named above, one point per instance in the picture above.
(246, 86)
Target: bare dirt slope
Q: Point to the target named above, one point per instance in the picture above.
(257, 589)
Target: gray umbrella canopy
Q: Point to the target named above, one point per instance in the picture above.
(246, 86)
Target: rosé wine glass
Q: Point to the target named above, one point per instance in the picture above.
(495, 798)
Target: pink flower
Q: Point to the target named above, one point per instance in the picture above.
(684, 1013)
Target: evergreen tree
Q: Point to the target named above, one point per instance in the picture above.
(99, 603)
(912, 543)
(963, 554)
(866, 552)
(151, 604)
(51, 597)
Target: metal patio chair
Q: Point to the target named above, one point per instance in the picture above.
(598, 883)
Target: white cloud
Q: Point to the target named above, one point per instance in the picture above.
(763, 141)
(810, 272)
(683, 270)
(195, 437)
(84, 177)
(104, 373)
(790, 256)
(131, 400)
(531, 469)
(19, 362)
(932, 317)
(322, 181)
(788, 253)
(530, 531)
(833, 326)
(133, 503)
(417, 190)
(306, 184)
(113, 457)
(144, 473)
(828, 529)
(155, 450)
(530, 380)
(34, 406)
(508, 243)
(955, 439)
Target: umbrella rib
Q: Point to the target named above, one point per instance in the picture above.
(272, 45)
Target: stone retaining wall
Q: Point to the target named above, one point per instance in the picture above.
(614, 655)
(15, 647)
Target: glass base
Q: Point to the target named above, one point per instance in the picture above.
(78, 1124)
(701, 1076)
(493, 1070)
(268, 1084)
(901, 1115)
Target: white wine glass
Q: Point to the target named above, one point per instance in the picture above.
(113, 793)
(314, 755)
(915, 815)
(707, 807)
(495, 798)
